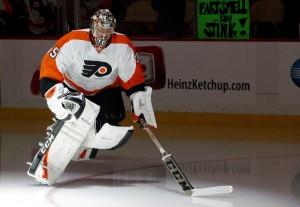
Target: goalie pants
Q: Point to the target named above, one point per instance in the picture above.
(111, 104)
(112, 110)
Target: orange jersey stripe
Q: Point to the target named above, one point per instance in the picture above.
(80, 89)
(119, 38)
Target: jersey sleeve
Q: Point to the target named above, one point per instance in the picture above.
(49, 68)
(130, 71)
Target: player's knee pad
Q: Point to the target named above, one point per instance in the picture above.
(63, 140)
(109, 138)
(111, 118)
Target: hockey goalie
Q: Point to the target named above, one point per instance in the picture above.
(82, 78)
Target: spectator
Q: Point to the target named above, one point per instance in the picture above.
(291, 18)
(90, 6)
(43, 17)
(13, 18)
(118, 8)
(171, 14)
(6, 11)
(267, 16)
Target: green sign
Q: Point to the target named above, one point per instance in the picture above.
(223, 19)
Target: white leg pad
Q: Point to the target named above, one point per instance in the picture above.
(82, 153)
(64, 145)
(109, 137)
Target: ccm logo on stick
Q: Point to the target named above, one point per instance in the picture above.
(178, 175)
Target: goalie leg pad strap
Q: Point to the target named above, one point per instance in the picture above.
(84, 153)
(109, 137)
(61, 146)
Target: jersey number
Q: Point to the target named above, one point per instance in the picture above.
(54, 52)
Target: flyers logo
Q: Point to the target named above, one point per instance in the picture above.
(96, 68)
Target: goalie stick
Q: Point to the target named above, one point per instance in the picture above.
(179, 175)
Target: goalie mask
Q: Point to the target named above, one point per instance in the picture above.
(103, 24)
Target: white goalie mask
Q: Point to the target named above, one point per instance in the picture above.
(103, 24)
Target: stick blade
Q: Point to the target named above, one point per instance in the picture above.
(212, 191)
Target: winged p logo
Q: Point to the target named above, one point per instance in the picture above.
(96, 68)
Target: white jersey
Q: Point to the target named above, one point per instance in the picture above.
(74, 61)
